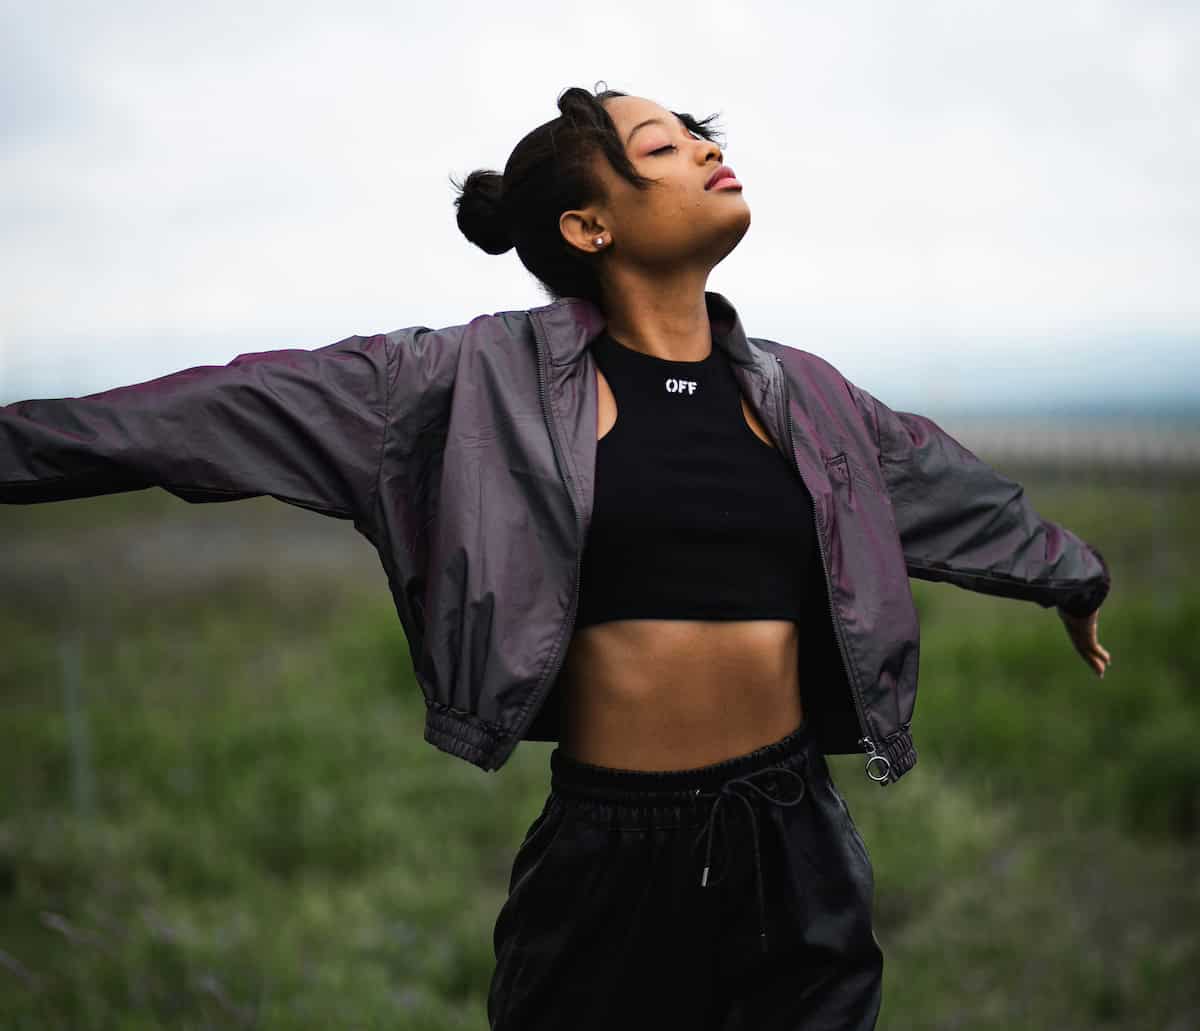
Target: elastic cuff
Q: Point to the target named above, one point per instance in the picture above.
(461, 734)
(1086, 601)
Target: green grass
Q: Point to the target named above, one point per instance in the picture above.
(262, 838)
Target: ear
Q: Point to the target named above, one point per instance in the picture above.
(582, 227)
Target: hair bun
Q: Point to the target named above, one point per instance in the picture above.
(481, 212)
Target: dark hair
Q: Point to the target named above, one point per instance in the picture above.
(549, 172)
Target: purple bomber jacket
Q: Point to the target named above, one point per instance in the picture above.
(466, 456)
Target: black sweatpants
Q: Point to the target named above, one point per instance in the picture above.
(731, 897)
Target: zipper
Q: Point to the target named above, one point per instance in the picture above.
(555, 666)
(865, 742)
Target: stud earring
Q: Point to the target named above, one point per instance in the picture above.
(599, 241)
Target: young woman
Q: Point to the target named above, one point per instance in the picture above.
(620, 523)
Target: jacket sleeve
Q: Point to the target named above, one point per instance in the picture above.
(962, 522)
(304, 426)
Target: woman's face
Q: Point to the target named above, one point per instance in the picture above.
(676, 221)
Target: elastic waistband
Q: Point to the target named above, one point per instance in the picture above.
(572, 778)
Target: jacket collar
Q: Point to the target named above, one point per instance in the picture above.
(570, 324)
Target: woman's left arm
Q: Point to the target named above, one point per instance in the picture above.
(962, 522)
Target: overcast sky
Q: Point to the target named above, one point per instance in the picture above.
(951, 201)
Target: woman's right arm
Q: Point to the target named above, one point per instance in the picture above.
(304, 426)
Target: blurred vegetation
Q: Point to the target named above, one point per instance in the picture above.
(218, 809)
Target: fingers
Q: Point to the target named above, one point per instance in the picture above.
(1093, 642)
(1089, 647)
(1097, 657)
(1088, 643)
(1097, 650)
(1083, 633)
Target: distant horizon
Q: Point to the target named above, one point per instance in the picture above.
(984, 381)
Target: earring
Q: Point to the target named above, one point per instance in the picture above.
(599, 241)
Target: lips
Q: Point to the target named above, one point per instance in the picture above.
(724, 172)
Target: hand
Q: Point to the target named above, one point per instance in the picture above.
(1082, 631)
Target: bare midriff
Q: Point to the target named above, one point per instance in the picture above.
(666, 694)
(673, 694)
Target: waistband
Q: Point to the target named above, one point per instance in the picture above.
(643, 788)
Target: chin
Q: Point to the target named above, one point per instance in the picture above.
(734, 230)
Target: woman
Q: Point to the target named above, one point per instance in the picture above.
(618, 522)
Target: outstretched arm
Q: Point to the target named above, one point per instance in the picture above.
(962, 522)
(305, 426)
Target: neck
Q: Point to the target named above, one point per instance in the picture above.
(663, 317)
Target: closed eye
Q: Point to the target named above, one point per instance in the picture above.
(671, 146)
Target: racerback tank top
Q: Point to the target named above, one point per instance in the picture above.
(695, 517)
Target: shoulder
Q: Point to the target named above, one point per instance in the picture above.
(423, 344)
(819, 385)
(517, 324)
(804, 367)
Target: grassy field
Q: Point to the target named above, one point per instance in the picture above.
(218, 811)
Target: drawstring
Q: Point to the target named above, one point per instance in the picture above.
(729, 790)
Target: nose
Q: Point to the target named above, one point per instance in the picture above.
(710, 150)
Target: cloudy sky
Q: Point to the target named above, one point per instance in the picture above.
(954, 202)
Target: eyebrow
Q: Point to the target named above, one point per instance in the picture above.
(649, 121)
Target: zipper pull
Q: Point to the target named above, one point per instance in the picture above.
(873, 756)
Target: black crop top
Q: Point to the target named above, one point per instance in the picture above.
(695, 516)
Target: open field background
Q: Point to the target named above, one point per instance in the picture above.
(217, 809)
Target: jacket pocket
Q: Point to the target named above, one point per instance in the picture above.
(842, 477)
(837, 468)
(848, 475)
